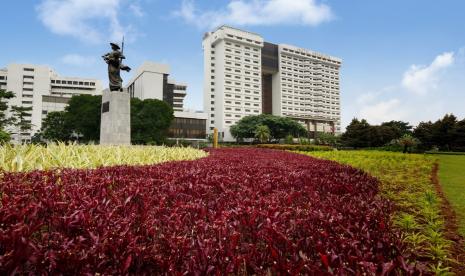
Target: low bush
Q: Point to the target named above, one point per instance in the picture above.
(406, 181)
(295, 147)
(238, 211)
(20, 158)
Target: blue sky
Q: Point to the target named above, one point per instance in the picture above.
(402, 60)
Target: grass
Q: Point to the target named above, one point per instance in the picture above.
(452, 179)
(406, 181)
(22, 158)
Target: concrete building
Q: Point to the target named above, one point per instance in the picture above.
(152, 81)
(244, 75)
(42, 89)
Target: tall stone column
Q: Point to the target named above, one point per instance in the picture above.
(115, 126)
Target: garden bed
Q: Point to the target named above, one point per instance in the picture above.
(241, 211)
(407, 181)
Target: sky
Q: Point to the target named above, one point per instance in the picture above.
(402, 60)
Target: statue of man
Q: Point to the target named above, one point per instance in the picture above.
(114, 59)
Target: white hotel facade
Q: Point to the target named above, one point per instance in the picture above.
(42, 89)
(244, 75)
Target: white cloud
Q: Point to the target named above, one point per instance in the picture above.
(383, 111)
(136, 10)
(370, 97)
(258, 12)
(422, 79)
(91, 21)
(78, 60)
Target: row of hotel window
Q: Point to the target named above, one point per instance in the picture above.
(241, 38)
(256, 69)
(240, 52)
(303, 72)
(230, 69)
(239, 84)
(307, 61)
(237, 58)
(239, 77)
(305, 75)
(323, 58)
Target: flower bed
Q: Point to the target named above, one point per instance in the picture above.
(406, 180)
(241, 211)
(29, 157)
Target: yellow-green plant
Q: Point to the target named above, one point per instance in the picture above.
(405, 179)
(20, 158)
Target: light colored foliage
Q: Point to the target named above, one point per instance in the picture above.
(21, 158)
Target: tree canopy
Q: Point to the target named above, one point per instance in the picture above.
(360, 134)
(279, 127)
(4, 97)
(150, 120)
(83, 117)
(55, 128)
(447, 134)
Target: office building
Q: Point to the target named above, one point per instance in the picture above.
(244, 75)
(42, 89)
(152, 81)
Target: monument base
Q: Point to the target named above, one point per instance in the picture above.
(115, 126)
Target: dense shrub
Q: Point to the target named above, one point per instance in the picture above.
(295, 147)
(279, 127)
(406, 181)
(241, 211)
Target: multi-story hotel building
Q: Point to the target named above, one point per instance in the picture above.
(244, 75)
(42, 89)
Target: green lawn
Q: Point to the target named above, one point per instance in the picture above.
(452, 178)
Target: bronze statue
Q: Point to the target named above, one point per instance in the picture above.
(114, 59)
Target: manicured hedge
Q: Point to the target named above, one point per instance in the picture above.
(295, 147)
(240, 211)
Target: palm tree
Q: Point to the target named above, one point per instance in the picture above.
(407, 141)
(262, 133)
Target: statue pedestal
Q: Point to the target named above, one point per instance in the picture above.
(115, 126)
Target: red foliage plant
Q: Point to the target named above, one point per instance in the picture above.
(237, 211)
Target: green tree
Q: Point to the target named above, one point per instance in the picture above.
(83, 117)
(19, 120)
(459, 139)
(55, 127)
(4, 137)
(4, 97)
(150, 120)
(425, 132)
(279, 127)
(399, 128)
(444, 131)
(325, 138)
(358, 134)
(262, 133)
(407, 142)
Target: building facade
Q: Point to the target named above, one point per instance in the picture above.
(188, 125)
(244, 75)
(151, 81)
(42, 89)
